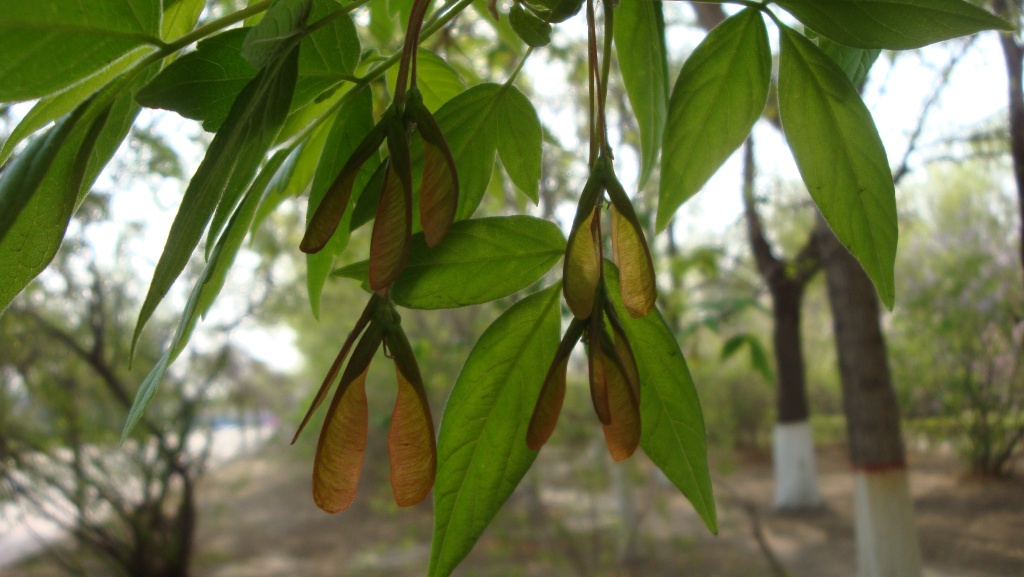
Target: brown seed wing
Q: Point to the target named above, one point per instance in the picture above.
(439, 188)
(636, 269)
(582, 267)
(392, 230)
(339, 454)
(549, 405)
(622, 433)
(411, 444)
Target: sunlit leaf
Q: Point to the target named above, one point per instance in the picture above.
(893, 24)
(180, 17)
(643, 63)
(230, 163)
(33, 239)
(353, 123)
(718, 96)
(519, 142)
(203, 84)
(48, 45)
(482, 452)
(530, 28)
(673, 433)
(272, 37)
(840, 156)
(854, 62)
(479, 261)
(328, 55)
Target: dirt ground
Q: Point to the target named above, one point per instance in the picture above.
(258, 520)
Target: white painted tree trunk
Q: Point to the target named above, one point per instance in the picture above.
(884, 525)
(796, 476)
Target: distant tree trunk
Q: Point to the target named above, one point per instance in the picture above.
(886, 536)
(796, 480)
(1013, 55)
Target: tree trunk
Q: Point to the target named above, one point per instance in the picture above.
(796, 478)
(1013, 55)
(886, 536)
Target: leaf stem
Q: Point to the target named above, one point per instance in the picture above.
(606, 64)
(519, 67)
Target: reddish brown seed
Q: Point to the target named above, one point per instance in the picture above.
(392, 230)
(411, 444)
(549, 405)
(622, 433)
(339, 454)
(636, 269)
(582, 268)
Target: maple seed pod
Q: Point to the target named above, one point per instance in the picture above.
(596, 363)
(342, 443)
(392, 229)
(632, 255)
(439, 187)
(328, 213)
(581, 268)
(622, 432)
(412, 446)
(321, 394)
(552, 394)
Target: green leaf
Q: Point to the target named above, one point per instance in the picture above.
(672, 422)
(53, 107)
(758, 356)
(840, 156)
(482, 452)
(893, 24)
(231, 160)
(437, 80)
(205, 290)
(640, 48)
(180, 17)
(519, 142)
(271, 37)
(328, 55)
(48, 45)
(352, 124)
(531, 29)
(20, 180)
(467, 122)
(719, 95)
(480, 260)
(32, 241)
(856, 63)
(484, 119)
(203, 84)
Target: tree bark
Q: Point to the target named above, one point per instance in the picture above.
(886, 536)
(1013, 55)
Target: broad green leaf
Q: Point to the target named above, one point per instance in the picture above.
(271, 38)
(180, 17)
(672, 423)
(893, 24)
(53, 107)
(484, 119)
(519, 142)
(231, 160)
(353, 123)
(437, 81)
(328, 55)
(203, 293)
(48, 45)
(467, 122)
(203, 84)
(531, 29)
(718, 96)
(480, 260)
(640, 49)
(840, 156)
(33, 239)
(856, 63)
(482, 452)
